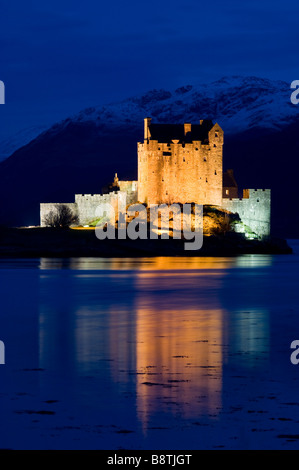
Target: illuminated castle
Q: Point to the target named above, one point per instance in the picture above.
(180, 163)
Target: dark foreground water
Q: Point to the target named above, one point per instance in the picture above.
(181, 353)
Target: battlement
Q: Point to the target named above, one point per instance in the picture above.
(81, 198)
(252, 193)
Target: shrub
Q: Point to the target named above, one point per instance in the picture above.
(63, 217)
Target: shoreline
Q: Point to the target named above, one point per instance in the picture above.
(64, 243)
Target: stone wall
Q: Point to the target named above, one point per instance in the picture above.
(88, 203)
(85, 205)
(174, 172)
(254, 209)
(130, 187)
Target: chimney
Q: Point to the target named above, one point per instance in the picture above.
(147, 123)
(187, 128)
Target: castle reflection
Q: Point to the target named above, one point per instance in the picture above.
(161, 332)
(178, 347)
(156, 263)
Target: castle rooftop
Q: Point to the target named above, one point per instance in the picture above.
(180, 132)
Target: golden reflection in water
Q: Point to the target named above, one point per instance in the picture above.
(158, 331)
(178, 354)
(156, 263)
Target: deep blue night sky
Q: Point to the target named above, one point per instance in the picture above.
(61, 56)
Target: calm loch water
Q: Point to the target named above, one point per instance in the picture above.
(162, 353)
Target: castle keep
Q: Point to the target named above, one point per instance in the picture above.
(179, 163)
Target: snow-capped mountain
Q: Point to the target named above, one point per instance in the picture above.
(236, 103)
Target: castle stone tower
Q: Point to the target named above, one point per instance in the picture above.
(180, 163)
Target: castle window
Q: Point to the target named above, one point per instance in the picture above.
(257, 200)
(184, 159)
(159, 148)
(204, 159)
(215, 172)
(214, 145)
(216, 134)
(196, 148)
(206, 180)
